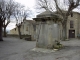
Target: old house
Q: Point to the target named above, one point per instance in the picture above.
(14, 31)
(27, 28)
(73, 26)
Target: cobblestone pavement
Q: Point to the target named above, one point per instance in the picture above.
(16, 49)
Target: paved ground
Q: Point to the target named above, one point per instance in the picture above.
(16, 49)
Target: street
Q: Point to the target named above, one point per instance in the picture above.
(14, 49)
(17, 49)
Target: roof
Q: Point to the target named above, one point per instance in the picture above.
(46, 13)
(30, 21)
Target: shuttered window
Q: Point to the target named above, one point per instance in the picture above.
(71, 24)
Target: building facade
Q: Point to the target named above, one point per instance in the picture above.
(73, 26)
(28, 27)
(14, 31)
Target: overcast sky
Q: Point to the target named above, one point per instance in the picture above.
(27, 3)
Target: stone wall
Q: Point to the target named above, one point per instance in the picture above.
(17, 36)
(28, 28)
(14, 31)
(75, 19)
(46, 34)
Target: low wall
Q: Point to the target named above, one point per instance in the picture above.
(26, 37)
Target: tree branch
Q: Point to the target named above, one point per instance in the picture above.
(57, 7)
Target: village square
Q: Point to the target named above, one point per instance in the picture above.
(54, 34)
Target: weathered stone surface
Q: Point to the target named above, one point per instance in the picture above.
(47, 34)
(47, 29)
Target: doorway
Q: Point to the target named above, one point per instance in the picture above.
(71, 33)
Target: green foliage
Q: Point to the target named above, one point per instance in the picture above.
(58, 45)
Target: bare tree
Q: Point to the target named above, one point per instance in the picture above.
(45, 5)
(72, 4)
(9, 9)
(20, 14)
(2, 16)
(6, 10)
(61, 6)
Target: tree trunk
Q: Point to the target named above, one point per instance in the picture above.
(65, 28)
(5, 32)
(64, 25)
(64, 33)
(1, 39)
(1, 32)
(19, 32)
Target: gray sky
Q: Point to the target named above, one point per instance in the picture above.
(30, 4)
(27, 3)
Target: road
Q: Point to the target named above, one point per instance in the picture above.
(17, 49)
(14, 49)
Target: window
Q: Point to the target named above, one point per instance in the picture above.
(15, 29)
(23, 26)
(26, 28)
(71, 24)
(34, 26)
(71, 14)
